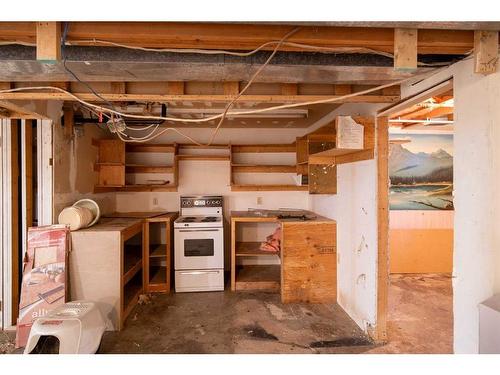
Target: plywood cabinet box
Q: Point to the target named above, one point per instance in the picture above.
(106, 267)
(308, 260)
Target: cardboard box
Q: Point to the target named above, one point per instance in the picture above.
(44, 285)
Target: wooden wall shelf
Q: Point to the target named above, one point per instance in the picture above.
(204, 157)
(269, 188)
(246, 168)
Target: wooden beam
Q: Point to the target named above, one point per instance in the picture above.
(231, 88)
(196, 98)
(382, 129)
(69, 120)
(176, 88)
(48, 41)
(485, 51)
(289, 89)
(16, 111)
(343, 89)
(15, 217)
(405, 49)
(239, 36)
(118, 87)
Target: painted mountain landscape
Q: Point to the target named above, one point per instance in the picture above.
(421, 172)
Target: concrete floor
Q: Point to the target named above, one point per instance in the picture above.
(420, 318)
(419, 321)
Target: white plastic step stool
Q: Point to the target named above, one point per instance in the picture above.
(78, 326)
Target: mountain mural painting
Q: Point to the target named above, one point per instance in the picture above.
(421, 172)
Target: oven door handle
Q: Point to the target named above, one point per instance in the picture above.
(197, 272)
(198, 230)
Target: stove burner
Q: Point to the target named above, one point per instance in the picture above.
(209, 219)
(188, 219)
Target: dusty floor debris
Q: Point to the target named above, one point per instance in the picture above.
(420, 318)
(420, 321)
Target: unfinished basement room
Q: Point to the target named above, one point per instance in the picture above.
(236, 187)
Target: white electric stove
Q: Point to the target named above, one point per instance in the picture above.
(199, 245)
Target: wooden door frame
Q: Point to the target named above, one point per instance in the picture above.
(379, 333)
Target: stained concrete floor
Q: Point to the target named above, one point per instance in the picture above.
(419, 321)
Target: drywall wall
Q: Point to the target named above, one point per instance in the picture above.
(476, 255)
(73, 161)
(355, 210)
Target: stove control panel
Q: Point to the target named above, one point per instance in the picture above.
(211, 201)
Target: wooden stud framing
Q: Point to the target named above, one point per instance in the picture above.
(48, 41)
(405, 49)
(382, 129)
(485, 51)
(69, 120)
(15, 217)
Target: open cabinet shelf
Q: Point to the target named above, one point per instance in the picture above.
(251, 249)
(112, 167)
(258, 277)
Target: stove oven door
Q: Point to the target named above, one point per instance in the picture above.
(199, 248)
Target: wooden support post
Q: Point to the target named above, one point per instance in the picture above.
(485, 51)
(69, 120)
(231, 88)
(289, 89)
(15, 216)
(48, 41)
(382, 142)
(28, 152)
(405, 49)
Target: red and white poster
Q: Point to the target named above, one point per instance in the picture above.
(44, 283)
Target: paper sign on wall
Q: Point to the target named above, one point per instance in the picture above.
(349, 133)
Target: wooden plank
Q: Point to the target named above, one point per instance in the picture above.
(111, 175)
(231, 88)
(251, 249)
(242, 168)
(15, 217)
(258, 277)
(196, 98)
(309, 262)
(380, 331)
(48, 41)
(111, 151)
(244, 36)
(118, 87)
(204, 157)
(301, 150)
(290, 89)
(485, 51)
(176, 88)
(421, 250)
(271, 148)
(405, 49)
(69, 121)
(322, 179)
(134, 168)
(150, 147)
(136, 188)
(233, 255)
(28, 152)
(269, 188)
(343, 89)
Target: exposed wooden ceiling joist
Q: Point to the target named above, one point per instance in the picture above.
(236, 36)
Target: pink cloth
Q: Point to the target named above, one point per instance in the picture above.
(273, 242)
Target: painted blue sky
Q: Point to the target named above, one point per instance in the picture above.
(426, 142)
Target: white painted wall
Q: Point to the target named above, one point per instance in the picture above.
(355, 210)
(476, 258)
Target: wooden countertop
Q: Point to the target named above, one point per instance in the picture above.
(112, 225)
(272, 216)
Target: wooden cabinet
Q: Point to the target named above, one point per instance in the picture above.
(120, 166)
(158, 259)
(307, 269)
(106, 267)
